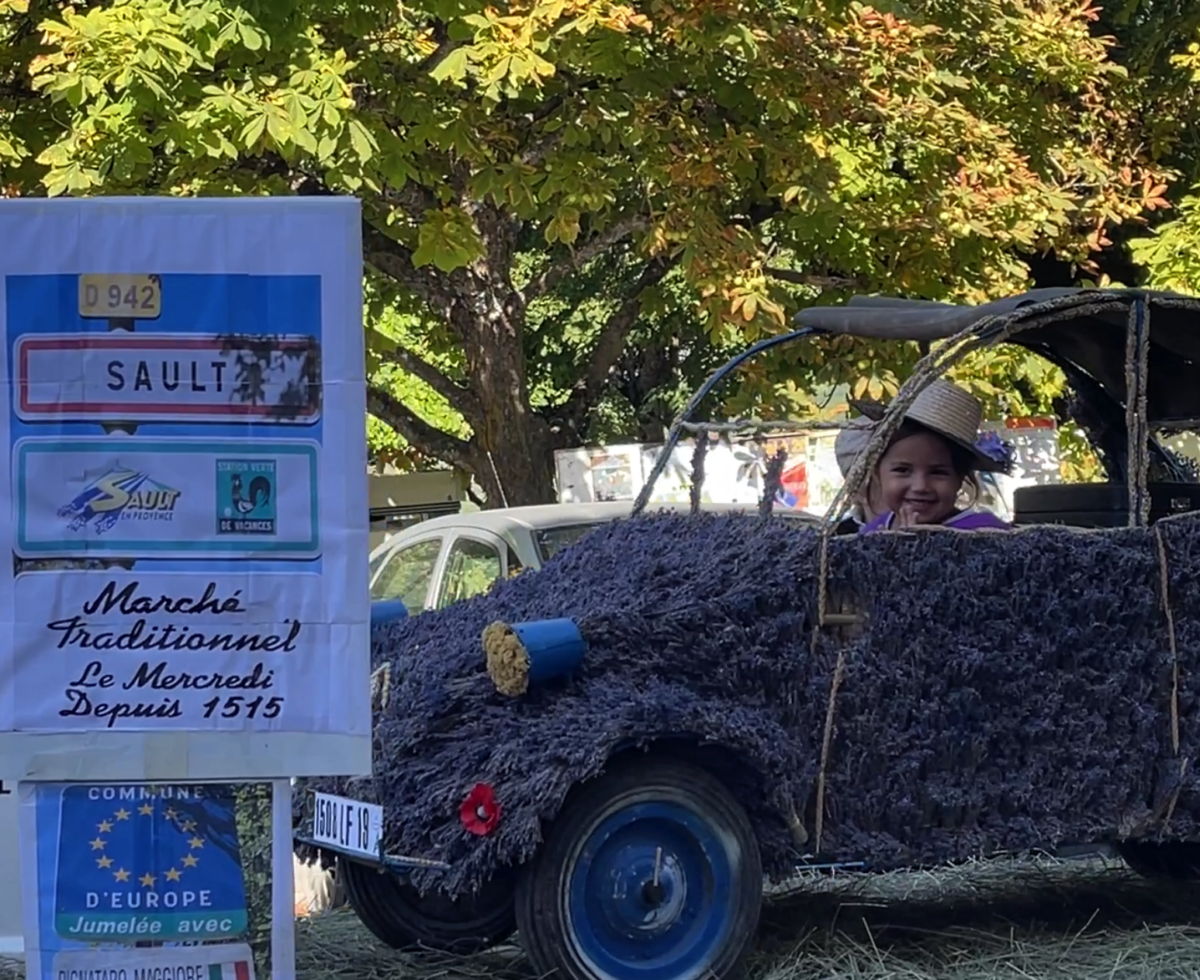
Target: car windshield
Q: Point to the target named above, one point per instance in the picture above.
(552, 540)
(378, 560)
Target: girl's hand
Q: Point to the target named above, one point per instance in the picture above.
(906, 516)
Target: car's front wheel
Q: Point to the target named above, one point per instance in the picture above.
(651, 872)
(402, 918)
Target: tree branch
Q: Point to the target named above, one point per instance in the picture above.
(811, 279)
(429, 439)
(394, 260)
(540, 148)
(535, 155)
(596, 245)
(461, 398)
(441, 34)
(756, 214)
(413, 199)
(611, 342)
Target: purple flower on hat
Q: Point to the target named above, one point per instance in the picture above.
(990, 444)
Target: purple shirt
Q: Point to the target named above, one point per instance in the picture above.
(968, 520)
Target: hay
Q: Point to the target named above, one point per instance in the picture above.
(1006, 918)
(1028, 920)
(1024, 920)
(507, 659)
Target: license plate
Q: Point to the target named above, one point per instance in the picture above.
(347, 825)
(120, 297)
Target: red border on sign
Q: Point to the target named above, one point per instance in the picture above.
(1031, 422)
(130, 342)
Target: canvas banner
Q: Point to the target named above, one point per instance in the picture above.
(184, 466)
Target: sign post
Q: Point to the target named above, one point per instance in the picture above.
(184, 586)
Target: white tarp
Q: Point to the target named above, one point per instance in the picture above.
(734, 469)
(186, 477)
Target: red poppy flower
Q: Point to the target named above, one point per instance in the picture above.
(480, 811)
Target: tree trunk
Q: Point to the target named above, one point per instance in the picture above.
(516, 480)
(511, 450)
(510, 447)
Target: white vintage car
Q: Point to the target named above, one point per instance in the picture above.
(447, 559)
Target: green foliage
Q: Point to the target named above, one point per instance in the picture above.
(576, 208)
(252, 815)
(1170, 255)
(389, 333)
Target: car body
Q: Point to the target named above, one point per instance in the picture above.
(702, 698)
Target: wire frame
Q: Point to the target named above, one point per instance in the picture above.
(987, 331)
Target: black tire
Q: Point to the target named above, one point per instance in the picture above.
(1171, 860)
(401, 918)
(645, 815)
(1098, 504)
(1074, 518)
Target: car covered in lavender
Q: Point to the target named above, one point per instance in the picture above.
(608, 757)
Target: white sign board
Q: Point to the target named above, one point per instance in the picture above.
(184, 586)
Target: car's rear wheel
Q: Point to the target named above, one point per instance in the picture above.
(400, 917)
(1175, 860)
(652, 872)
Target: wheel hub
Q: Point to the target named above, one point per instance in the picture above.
(648, 891)
(647, 894)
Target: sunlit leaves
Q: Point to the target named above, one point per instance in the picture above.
(447, 239)
(919, 153)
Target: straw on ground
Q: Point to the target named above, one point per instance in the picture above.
(1018, 919)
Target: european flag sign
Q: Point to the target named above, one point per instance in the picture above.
(149, 863)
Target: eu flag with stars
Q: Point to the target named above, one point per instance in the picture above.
(142, 863)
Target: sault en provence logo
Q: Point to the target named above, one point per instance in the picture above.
(120, 495)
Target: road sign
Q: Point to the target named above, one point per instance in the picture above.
(149, 863)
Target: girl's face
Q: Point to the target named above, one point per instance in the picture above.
(917, 479)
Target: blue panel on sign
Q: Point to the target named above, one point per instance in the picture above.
(148, 863)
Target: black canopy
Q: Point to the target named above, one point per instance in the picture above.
(1085, 328)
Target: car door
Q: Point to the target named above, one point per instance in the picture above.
(475, 560)
(409, 572)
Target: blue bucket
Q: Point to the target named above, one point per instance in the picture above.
(555, 647)
(387, 611)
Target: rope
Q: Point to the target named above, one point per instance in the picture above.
(381, 687)
(1165, 588)
(835, 684)
(698, 454)
(984, 332)
(791, 426)
(1165, 585)
(1137, 363)
(931, 366)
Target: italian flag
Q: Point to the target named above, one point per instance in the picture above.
(229, 971)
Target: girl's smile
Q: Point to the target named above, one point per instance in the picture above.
(918, 480)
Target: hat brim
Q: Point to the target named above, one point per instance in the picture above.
(981, 462)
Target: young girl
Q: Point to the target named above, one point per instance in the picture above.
(935, 452)
(851, 441)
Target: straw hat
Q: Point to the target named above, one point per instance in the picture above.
(955, 413)
(851, 441)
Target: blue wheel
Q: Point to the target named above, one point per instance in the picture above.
(652, 872)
